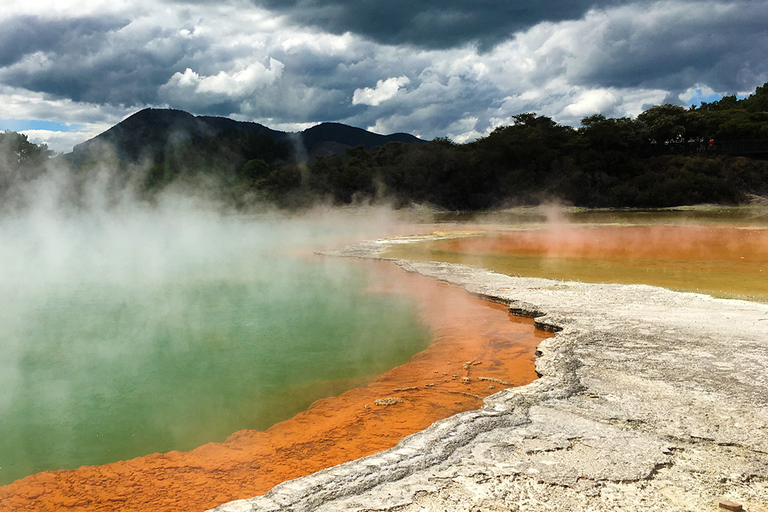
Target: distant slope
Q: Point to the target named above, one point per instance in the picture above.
(148, 131)
(328, 138)
(145, 133)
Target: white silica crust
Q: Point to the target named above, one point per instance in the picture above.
(648, 400)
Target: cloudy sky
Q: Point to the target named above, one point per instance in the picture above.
(69, 69)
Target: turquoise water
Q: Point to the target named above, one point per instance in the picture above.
(139, 332)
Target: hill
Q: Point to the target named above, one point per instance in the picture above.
(149, 132)
(333, 138)
(666, 156)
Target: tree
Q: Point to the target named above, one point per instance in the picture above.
(18, 152)
(622, 133)
(757, 102)
(665, 121)
(20, 159)
(255, 169)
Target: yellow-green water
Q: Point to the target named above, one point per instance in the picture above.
(723, 254)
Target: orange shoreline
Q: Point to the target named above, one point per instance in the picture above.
(478, 348)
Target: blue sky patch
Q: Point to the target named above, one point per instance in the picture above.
(700, 97)
(21, 125)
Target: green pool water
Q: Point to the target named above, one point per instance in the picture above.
(149, 332)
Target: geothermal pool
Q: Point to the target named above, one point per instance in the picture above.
(132, 332)
(142, 331)
(720, 255)
(159, 332)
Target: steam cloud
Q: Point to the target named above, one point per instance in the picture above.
(88, 270)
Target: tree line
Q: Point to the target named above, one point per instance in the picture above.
(606, 162)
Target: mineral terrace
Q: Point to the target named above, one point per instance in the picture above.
(648, 400)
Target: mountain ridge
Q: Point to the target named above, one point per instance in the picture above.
(145, 133)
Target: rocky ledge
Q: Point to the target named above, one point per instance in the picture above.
(647, 400)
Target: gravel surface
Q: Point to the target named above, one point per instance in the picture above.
(649, 400)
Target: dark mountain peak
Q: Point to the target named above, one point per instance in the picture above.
(350, 136)
(144, 134)
(155, 120)
(222, 124)
(330, 127)
(166, 116)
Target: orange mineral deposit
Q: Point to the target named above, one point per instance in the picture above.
(478, 348)
(724, 261)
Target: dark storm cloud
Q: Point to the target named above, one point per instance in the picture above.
(25, 35)
(433, 108)
(432, 23)
(722, 47)
(88, 59)
(130, 80)
(451, 67)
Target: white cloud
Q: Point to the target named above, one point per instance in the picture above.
(591, 102)
(384, 90)
(234, 58)
(91, 119)
(63, 142)
(699, 93)
(464, 130)
(55, 8)
(234, 84)
(296, 41)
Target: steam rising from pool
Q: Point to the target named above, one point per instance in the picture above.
(129, 328)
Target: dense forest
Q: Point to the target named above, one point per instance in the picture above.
(667, 156)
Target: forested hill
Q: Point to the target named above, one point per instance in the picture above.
(148, 133)
(667, 156)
